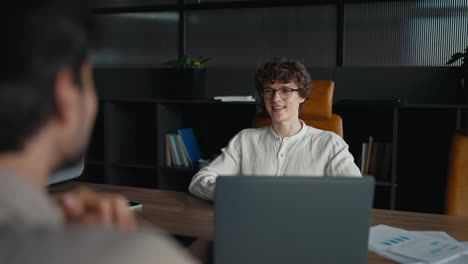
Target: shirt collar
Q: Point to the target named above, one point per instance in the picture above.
(293, 137)
(21, 203)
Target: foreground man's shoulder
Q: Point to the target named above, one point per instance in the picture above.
(95, 245)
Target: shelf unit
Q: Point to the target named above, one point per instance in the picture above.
(363, 120)
(128, 143)
(420, 136)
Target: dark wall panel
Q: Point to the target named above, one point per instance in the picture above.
(431, 85)
(437, 85)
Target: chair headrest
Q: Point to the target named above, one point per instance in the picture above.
(319, 106)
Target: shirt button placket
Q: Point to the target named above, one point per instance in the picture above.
(281, 156)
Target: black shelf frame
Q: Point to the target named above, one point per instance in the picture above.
(180, 169)
(383, 183)
(95, 162)
(134, 165)
(166, 116)
(122, 123)
(394, 176)
(402, 140)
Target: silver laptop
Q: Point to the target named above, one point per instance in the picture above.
(261, 219)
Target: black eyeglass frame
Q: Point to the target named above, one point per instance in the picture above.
(281, 92)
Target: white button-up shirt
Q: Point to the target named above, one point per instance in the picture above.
(260, 152)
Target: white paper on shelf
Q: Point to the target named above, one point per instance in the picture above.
(416, 246)
(242, 98)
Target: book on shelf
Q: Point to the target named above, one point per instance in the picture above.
(183, 151)
(169, 155)
(366, 156)
(175, 150)
(190, 143)
(376, 158)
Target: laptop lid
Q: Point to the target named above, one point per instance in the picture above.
(68, 173)
(264, 219)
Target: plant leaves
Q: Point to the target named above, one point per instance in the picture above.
(455, 57)
(186, 62)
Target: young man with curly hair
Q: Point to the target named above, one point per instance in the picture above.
(286, 148)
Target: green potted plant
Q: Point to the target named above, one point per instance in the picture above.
(463, 78)
(185, 78)
(460, 55)
(463, 56)
(186, 62)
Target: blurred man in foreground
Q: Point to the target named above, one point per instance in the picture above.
(47, 110)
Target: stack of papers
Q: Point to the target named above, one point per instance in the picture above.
(413, 247)
(242, 98)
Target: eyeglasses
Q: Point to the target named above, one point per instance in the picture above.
(284, 93)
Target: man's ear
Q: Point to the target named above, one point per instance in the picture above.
(65, 92)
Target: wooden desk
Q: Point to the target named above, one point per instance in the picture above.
(183, 214)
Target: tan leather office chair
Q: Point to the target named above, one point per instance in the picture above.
(457, 181)
(316, 112)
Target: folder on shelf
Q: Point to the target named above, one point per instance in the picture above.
(191, 145)
(178, 158)
(364, 157)
(367, 161)
(183, 151)
(170, 160)
(376, 159)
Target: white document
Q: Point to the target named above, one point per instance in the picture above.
(378, 242)
(415, 246)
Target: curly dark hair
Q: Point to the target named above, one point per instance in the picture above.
(283, 70)
(42, 40)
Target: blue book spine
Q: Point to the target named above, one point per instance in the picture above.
(190, 143)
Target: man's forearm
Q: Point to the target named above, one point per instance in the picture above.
(203, 184)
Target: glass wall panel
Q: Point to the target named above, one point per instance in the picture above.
(247, 37)
(138, 39)
(404, 33)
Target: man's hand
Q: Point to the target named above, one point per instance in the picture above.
(85, 207)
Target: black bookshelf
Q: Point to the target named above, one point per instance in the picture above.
(128, 142)
(420, 136)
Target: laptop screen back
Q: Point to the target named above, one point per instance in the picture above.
(68, 173)
(292, 219)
